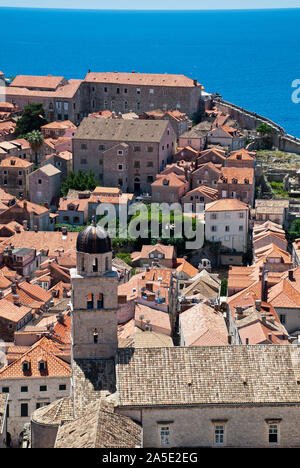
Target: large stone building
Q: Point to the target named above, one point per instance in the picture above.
(223, 396)
(61, 99)
(128, 153)
(142, 92)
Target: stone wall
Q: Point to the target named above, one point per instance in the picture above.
(251, 120)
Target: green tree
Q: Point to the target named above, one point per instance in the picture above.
(36, 140)
(33, 117)
(264, 129)
(294, 231)
(80, 181)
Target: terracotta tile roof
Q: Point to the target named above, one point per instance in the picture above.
(241, 174)
(29, 81)
(226, 204)
(284, 295)
(242, 154)
(67, 155)
(271, 251)
(158, 320)
(147, 79)
(66, 91)
(30, 207)
(187, 268)
(167, 250)
(65, 124)
(208, 165)
(12, 161)
(42, 350)
(201, 325)
(80, 204)
(47, 241)
(12, 312)
(208, 375)
(203, 190)
(170, 180)
(35, 291)
(258, 333)
(100, 427)
(62, 330)
(5, 197)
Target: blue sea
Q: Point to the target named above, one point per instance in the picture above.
(251, 57)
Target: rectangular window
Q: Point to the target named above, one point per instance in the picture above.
(227, 228)
(24, 410)
(136, 164)
(5, 389)
(151, 91)
(149, 163)
(241, 228)
(138, 90)
(118, 90)
(282, 318)
(105, 89)
(150, 179)
(83, 146)
(62, 387)
(43, 388)
(214, 228)
(219, 434)
(24, 389)
(82, 161)
(150, 149)
(101, 147)
(273, 433)
(164, 433)
(125, 90)
(137, 149)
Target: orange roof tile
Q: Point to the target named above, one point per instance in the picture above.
(44, 349)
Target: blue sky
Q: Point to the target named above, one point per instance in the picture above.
(153, 4)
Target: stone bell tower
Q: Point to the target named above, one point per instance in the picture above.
(94, 296)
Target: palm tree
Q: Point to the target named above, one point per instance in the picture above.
(36, 140)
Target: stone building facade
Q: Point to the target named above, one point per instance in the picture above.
(142, 92)
(44, 184)
(150, 145)
(14, 175)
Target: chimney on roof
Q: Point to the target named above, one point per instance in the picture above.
(195, 82)
(60, 317)
(64, 231)
(27, 279)
(17, 228)
(25, 225)
(35, 228)
(16, 299)
(14, 288)
(258, 305)
(291, 275)
(239, 311)
(264, 284)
